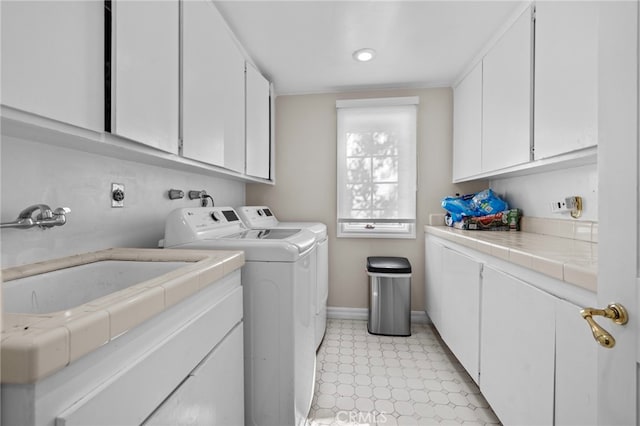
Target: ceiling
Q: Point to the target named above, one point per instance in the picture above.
(306, 46)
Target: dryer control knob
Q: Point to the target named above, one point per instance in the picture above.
(260, 213)
(214, 217)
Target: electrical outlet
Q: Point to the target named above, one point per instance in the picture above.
(558, 207)
(117, 195)
(567, 205)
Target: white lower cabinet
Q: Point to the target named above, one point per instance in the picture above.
(184, 366)
(461, 308)
(517, 350)
(211, 394)
(433, 281)
(531, 352)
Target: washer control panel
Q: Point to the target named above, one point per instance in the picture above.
(258, 217)
(196, 223)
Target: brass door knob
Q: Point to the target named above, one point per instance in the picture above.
(615, 312)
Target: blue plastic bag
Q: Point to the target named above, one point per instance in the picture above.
(479, 204)
(487, 202)
(458, 206)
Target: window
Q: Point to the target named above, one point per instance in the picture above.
(377, 167)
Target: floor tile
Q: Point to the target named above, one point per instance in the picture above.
(365, 379)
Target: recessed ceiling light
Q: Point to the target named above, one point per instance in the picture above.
(364, 55)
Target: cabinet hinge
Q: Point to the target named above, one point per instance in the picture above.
(533, 13)
(180, 146)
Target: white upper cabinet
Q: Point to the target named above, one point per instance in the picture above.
(506, 98)
(53, 60)
(566, 77)
(145, 69)
(467, 129)
(258, 124)
(213, 89)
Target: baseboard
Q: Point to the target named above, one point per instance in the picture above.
(333, 312)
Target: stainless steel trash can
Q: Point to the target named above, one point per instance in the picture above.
(389, 296)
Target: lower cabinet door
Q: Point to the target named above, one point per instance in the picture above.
(576, 368)
(517, 350)
(460, 312)
(213, 394)
(433, 280)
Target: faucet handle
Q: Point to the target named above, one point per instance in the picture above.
(45, 213)
(61, 211)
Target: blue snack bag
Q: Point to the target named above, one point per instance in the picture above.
(487, 202)
(458, 206)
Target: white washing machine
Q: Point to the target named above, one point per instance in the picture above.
(261, 217)
(279, 346)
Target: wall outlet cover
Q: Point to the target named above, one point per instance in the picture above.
(117, 195)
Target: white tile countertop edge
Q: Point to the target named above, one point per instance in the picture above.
(569, 260)
(35, 346)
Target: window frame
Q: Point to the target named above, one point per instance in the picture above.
(376, 227)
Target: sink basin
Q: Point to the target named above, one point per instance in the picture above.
(60, 310)
(63, 289)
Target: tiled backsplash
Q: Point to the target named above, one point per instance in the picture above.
(575, 230)
(572, 229)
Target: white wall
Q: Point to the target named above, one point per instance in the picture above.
(306, 184)
(35, 173)
(534, 193)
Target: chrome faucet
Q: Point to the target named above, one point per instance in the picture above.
(46, 218)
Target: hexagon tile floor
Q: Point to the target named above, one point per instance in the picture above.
(364, 379)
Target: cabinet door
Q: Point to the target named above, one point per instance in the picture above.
(566, 77)
(145, 72)
(506, 98)
(433, 280)
(213, 394)
(460, 312)
(576, 368)
(213, 88)
(517, 350)
(258, 129)
(467, 125)
(53, 60)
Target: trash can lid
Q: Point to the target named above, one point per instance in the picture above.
(388, 265)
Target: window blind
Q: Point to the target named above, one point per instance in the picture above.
(376, 165)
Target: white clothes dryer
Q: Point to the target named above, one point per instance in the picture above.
(261, 217)
(279, 348)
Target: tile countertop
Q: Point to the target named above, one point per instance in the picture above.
(569, 260)
(35, 346)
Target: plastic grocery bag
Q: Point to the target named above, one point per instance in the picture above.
(487, 202)
(479, 204)
(458, 206)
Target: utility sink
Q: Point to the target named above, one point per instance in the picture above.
(57, 311)
(70, 287)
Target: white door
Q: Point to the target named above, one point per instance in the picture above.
(618, 208)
